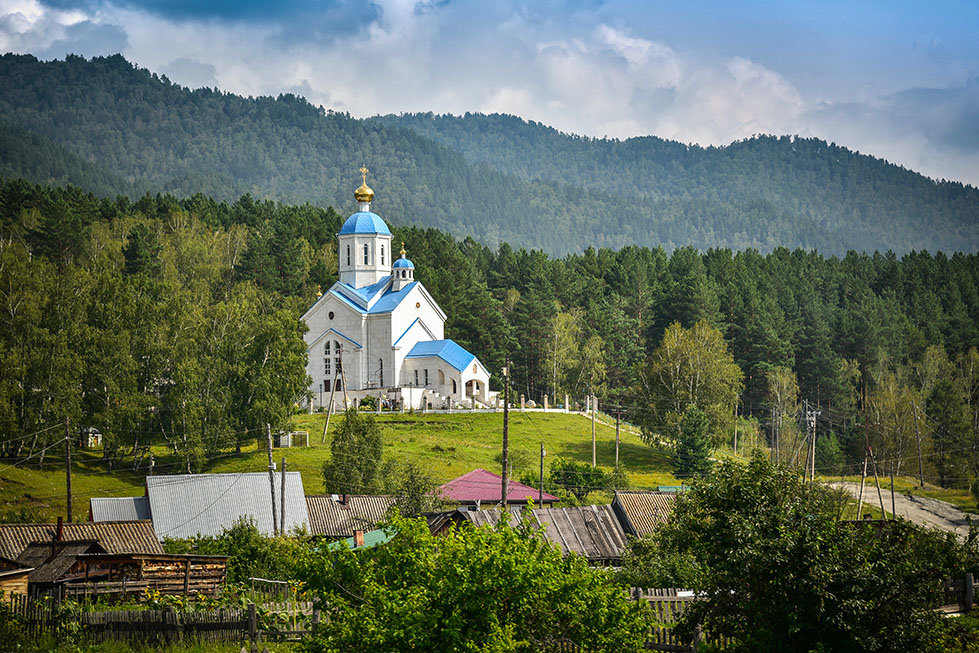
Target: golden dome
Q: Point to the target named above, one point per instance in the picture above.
(364, 193)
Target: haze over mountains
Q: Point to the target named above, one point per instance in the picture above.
(112, 128)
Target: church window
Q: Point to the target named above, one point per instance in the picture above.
(382, 254)
(330, 315)
(416, 377)
(380, 372)
(453, 386)
(426, 377)
(327, 363)
(365, 254)
(326, 385)
(348, 255)
(441, 378)
(474, 368)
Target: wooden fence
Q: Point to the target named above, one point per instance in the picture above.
(288, 621)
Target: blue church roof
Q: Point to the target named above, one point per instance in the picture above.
(387, 302)
(447, 350)
(403, 263)
(365, 222)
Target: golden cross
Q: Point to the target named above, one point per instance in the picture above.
(363, 173)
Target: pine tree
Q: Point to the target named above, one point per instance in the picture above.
(693, 447)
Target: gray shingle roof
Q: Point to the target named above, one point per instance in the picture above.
(119, 508)
(339, 516)
(186, 505)
(115, 537)
(590, 531)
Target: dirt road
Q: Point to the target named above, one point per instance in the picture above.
(920, 510)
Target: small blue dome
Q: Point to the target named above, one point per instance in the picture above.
(365, 222)
(403, 263)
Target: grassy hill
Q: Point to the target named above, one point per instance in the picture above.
(445, 446)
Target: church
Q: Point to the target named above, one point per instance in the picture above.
(378, 332)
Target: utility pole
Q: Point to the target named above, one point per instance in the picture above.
(594, 458)
(329, 411)
(68, 467)
(505, 486)
(893, 506)
(268, 437)
(863, 478)
(735, 428)
(343, 379)
(917, 432)
(540, 496)
(880, 496)
(811, 416)
(282, 528)
(618, 413)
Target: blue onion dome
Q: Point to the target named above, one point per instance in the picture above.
(403, 262)
(365, 222)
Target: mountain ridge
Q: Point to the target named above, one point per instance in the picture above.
(496, 178)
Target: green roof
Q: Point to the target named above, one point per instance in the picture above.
(371, 539)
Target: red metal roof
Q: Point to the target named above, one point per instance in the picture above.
(485, 487)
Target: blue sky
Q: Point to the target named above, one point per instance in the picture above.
(896, 79)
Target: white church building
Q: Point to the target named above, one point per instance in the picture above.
(377, 331)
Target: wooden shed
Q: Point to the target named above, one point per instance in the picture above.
(14, 581)
(172, 574)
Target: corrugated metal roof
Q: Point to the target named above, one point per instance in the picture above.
(590, 531)
(119, 508)
(330, 516)
(641, 513)
(485, 487)
(114, 537)
(186, 505)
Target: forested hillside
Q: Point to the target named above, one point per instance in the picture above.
(114, 129)
(176, 320)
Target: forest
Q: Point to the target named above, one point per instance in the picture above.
(175, 321)
(111, 128)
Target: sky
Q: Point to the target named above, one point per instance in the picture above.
(895, 79)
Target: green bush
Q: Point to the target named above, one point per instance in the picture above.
(486, 589)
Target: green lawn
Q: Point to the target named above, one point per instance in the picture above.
(445, 446)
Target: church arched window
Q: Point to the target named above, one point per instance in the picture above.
(380, 372)
(365, 254)
(454, 388)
